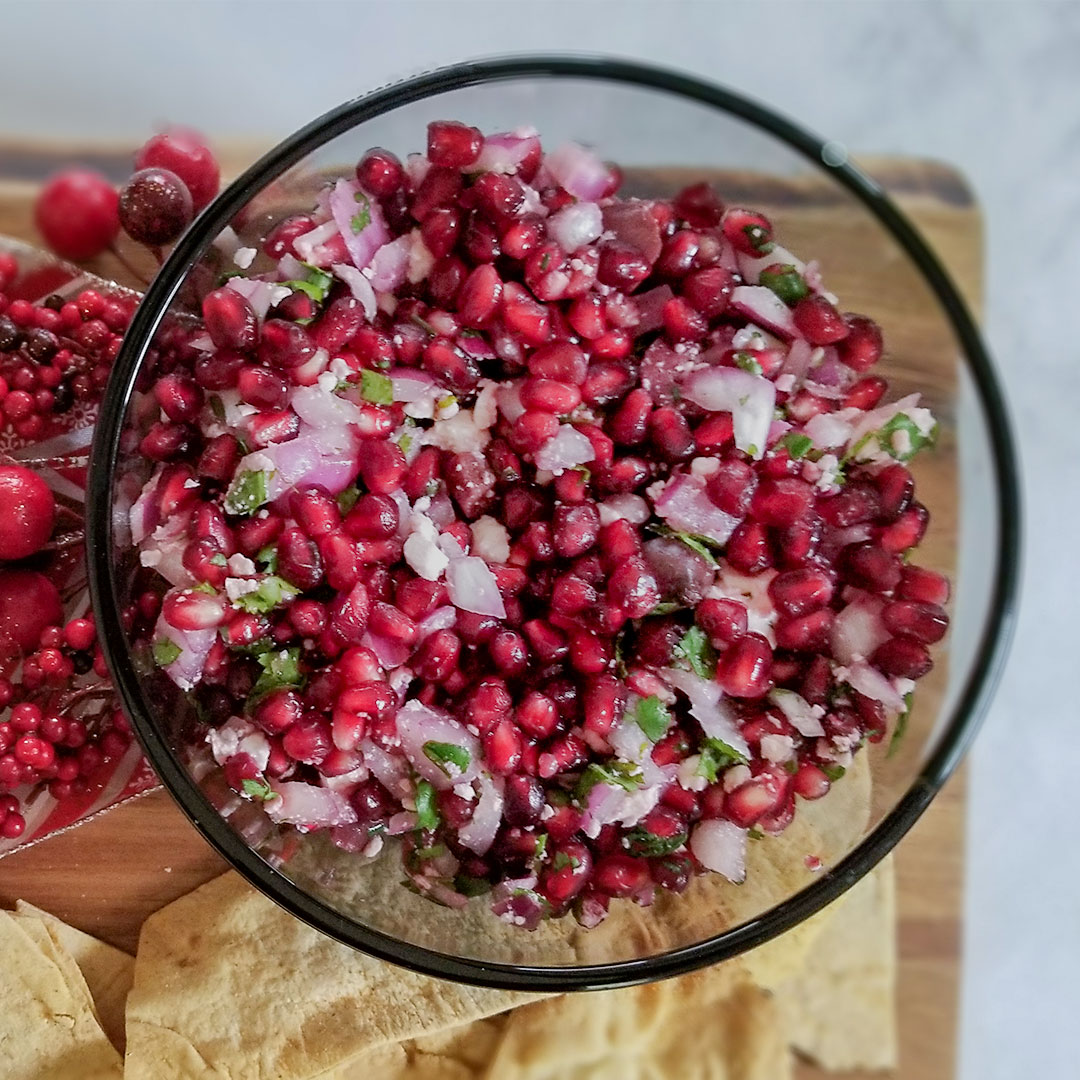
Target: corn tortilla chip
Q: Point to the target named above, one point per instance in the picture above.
(47, 1026)
(840, 1009)
(227, 984)
(108, 971)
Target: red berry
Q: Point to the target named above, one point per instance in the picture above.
(28, 603)
(29, 512)
(185, 153)
(155, 207)
(77, 214)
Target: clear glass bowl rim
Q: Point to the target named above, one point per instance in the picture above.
(971, 704)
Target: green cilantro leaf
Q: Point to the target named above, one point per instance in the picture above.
(205, 588)
(652, 717)
(271, 592)
(747, 362)
(697, 652)
(701, 544)
(376, 387)
(165, 651)
(471, 886)
(759, 238)
(362, 219)
(280, 667)
(427, 813)
(258, 789)
(716, 756)
(562, 861)
(218, 559)
(405, 443)
(348, 498)
(541, 846)
(666, 607)
(915, 439)
(641, 842)
(624, 774)
(755, 833)
(433, 852)
(267, 558)
(900, 730)
(833, 772)
(217, 407)
(786, 282)
(248, 491)
(444, 754)
(796, 444)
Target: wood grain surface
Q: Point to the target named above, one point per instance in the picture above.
(108, 874)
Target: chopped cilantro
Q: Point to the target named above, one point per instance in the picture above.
(652, 717)
(624, 774)
(666, 607)
(348, 498)
(267, 558)
(376, 387)
(271, 592)
(362, 219)
(446, 402)
(833, 772)
(700, 544)
(915, 439)
(205, 588)
(258, 789)
(280, 667)
(218, 559)
(755, 833)
(165, 651)
(471, 886)
(747, 362)
(545, 262)
(444, 754)
(900, 730)
(752, 450)
(427, 813)
(432, 852)
(541, 846)
(759, 238)
(405, 443)
(247, 492)
(699, 655)
(586, 473)
(786, 282)
(562, 861)
(796, 444)
(316, 285)
(640, 841)
(716, 756)
(217, 407)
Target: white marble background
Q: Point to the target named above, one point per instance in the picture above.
(991, 87)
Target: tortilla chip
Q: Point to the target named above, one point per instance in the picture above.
(692, 1028)
(47, 1026)
(229, 984)
(840, 1009)
(108, 971)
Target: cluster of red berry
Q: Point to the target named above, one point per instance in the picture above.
(59, 721)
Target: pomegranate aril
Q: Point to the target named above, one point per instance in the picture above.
(926, 586)
(798, 592)
(748, 548)
(374, 517)
(923, 622)
(782, 501)
(903, 658)
(805, 633)
(299, 561)
(567, 873)
(906, 531)
(284, 344)
(620, 875)
(383, 467)
(866, 393)
(230, 320)
(380, 173)
(723, 620)
(744, 668)
(870, 567)
(862, 347)
(503, 747)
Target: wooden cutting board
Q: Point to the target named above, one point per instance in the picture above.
(108, 874)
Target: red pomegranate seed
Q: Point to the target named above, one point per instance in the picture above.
(532, 429)
(670, 433)
(620, 875)
(502, 747)
(633, 587)
(907, 531)
(575, 529)
(866, 393)
(870, 567)
(855, 504)
(782, 502)
(818, 321)
(732, 487)
(699, 206)
(437, 657)
(299, 560)
(747, 231)
(262, 387)
(862, 347)
(810, 781)
(278, 710)
(478, 298)
(926, 586)
(748, 549)
(622, 267)
(380, 173)
(805, 633)
(923, 622)
(903, 658)
(628, 426)
(382, 467)
(744, 668)
(315, 510)
(798, 592)
(760, 795)
(567, 873)
(723, 620)
(189, 610)
(349, 613)
(537, 715)
(546, 641)
(230, 320)
(342, 560)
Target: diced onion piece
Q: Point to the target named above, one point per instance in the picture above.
(749, 398)
(578, 170)
(721, 846)
(309, 806)
(686, 506)
(566, 449)
(418, 725)
(472, 587)
(763, 306)
(478, 834)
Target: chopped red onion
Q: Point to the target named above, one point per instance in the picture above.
(749, 398)
(411, 384)
(389, 263)
(390, 654)
(314, 247)
(306, 805)
(763, 306)
(504, 152)
(651, 306)
(579, 171)
(194, 645)
(566, 449)
(472, 587)
(389, 769)
(707, 707)
(442, 618)
(575, 225)
(721, 846)
(857, 629)
(417, 725)
(870, 682)
(803, 717)
(685, 505)
(634, 225)
(479, 833)
(359, 286)
(261, 295)
(350, 207)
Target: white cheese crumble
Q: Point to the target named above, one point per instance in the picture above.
(238, 587)
(244, 257)
(240, 565)
(490, 540)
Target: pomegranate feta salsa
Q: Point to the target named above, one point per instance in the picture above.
(561, 535)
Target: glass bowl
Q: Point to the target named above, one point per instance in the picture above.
(665, 130)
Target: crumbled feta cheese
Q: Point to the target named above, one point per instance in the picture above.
(240, 565)
(237, 587)
(191, 482)
(785, 383)
(422, 553)
(465, 791)
(829, 466)
(777, 748)
(490, 540)
(327, 382)
(704, 466)
(244, 257)
(688, 775)
(486, 408)
(457, 433)
(150, 556)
